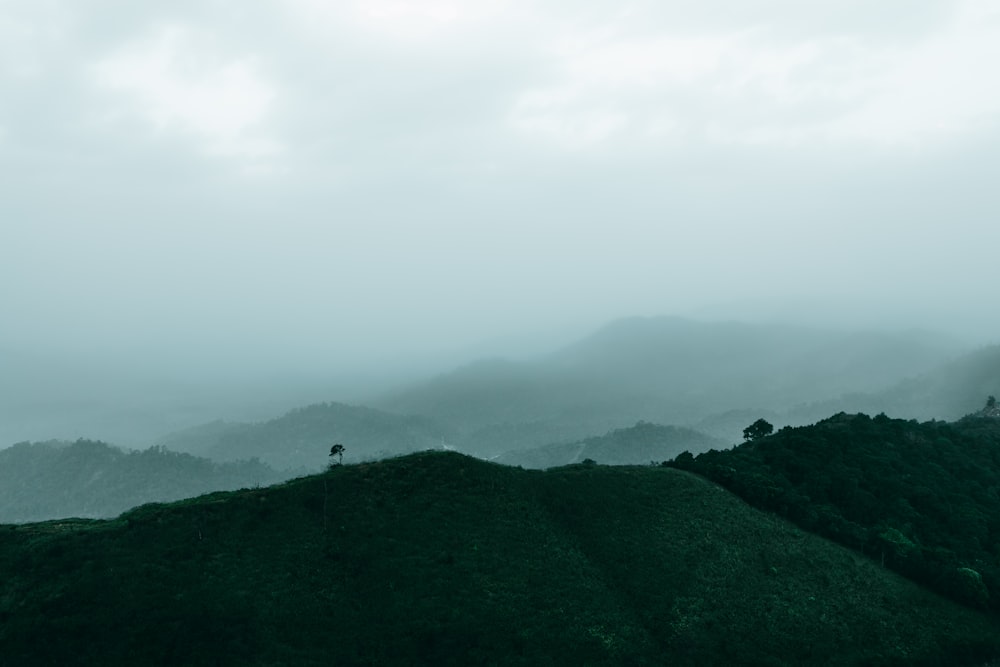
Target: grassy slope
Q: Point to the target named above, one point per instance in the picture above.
(440, 559)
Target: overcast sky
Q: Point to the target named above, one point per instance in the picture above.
(367, 179)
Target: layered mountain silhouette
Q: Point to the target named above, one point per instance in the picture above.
(663, 370)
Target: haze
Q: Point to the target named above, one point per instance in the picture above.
(196, 193)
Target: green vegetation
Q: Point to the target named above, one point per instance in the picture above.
(88, 478)
(440, 559)
(924, 499)
(758, 429)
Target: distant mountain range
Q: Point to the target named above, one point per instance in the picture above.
(662, 370)
(948, 391)
(712, 378)
(300, 440)
(46, 480)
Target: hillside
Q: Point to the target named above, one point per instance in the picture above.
(440, 559)
(86, 478)
(301, 438)
(663, 370)
(923, 498)
(636, 445)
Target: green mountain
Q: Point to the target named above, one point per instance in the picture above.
(662, 370)
(441, 559)
(85, 478)
(922, 498)
(301, 438)
(636, 445)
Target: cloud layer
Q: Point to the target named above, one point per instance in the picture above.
(362, 179)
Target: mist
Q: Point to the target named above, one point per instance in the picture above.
(228, 212)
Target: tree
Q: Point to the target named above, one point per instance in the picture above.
(991, 402)
(758, 429)
(338, 451)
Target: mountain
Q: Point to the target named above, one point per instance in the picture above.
(947, 392)
(130, 402)
(301, 438)
(441, 559)
(87, 478)
(639, 444)
(663, 370)
(667, 354)
(922, 497)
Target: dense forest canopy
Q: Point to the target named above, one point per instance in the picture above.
(924, 498)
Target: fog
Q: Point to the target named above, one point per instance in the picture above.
(215, 210)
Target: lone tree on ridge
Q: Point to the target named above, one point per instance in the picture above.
(758, 429)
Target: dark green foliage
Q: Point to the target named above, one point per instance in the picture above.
(439, 559)
(759, 429)
(924, 499)
(88, 478)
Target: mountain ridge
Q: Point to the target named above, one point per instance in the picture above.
(663, 370)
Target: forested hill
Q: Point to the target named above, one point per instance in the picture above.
(924, 498)
(440, 559)
(87, 478)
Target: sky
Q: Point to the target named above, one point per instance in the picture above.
(303, 184)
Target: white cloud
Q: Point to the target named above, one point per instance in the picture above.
(938, 89)
(27, 33)
(409, 22)
(175, 82)
(660, 86)
(742, 86)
